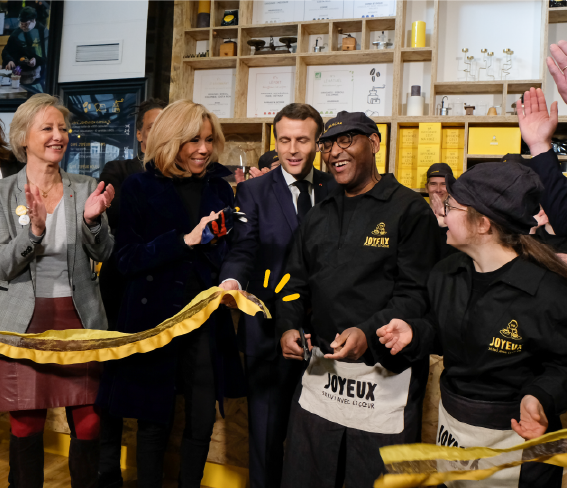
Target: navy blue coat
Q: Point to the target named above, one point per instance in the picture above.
(151, 254)
(261, 243)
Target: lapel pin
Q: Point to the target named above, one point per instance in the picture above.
(21, 210)
(24, 219)
(320, 184)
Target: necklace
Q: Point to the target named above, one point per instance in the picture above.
(43, 192)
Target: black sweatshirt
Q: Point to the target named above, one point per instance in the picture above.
(509, 342)
(378, 273)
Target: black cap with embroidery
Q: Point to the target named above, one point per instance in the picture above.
(350, 121)
(507, 193)
(513, 158)
(439, 169)
(267, 159)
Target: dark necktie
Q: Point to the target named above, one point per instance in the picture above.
(304, 200)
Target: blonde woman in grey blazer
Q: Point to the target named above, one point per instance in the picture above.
(52, 224)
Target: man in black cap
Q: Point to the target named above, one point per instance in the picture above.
(275, 205)
(361, 258)
(27, 48)
(437, 190)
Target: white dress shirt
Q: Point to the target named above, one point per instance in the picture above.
(290, 180)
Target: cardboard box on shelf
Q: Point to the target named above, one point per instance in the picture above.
(494, 140)
(383, 128)
(454, 158)
(317, 161)
(428, 154)
(381, 159)
(406, 177)
(407, 157)
(409, 137)
(430, 133)
(453, 138)
(421, 176)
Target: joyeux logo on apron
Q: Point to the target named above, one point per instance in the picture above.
(368, 398)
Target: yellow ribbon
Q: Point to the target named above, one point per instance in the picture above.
(419, 453)
(74, 346)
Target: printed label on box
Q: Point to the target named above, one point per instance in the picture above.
(428, 155)
(430, 133)
(409, 137)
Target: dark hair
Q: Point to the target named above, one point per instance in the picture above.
(145, 107)
(27, 14)
(527, 247)
(300, 111)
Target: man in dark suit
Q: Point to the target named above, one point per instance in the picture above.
(275, 204)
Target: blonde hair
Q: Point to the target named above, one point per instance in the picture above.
(180, 122)
(24, 118)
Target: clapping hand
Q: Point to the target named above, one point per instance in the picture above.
(533, 422)
(36, 210)
(559, 53)
(196, 234)
(536, 123)
(97, 203)
(395, 336)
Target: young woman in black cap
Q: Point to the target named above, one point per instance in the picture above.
(498, 315)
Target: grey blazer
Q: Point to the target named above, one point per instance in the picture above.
(18, 258)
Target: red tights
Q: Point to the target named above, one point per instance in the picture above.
(84, 422)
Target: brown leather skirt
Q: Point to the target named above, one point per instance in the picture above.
(25, 385)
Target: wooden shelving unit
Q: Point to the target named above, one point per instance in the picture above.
(186, 36)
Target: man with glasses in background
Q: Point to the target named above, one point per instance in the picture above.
(360, 258)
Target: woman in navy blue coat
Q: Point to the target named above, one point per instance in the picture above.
(163, 213)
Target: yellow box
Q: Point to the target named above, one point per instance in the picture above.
(430, 133)
(406, 177)
(421, 177)
(409, 137)
(428, 154)
(383, 128)
(494, 140)
(317, 161)
(407, 157)
(381, 159)
(454, 158)
(453, 139)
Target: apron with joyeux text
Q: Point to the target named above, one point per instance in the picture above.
(367, 398)
(472, 423)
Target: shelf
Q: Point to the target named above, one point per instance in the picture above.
(381, 23)
(348, 57)
(484, 87)
(417, 53)
(211, 63)
(269, 60)
(450, 120)
(557, 15)
(201, 34)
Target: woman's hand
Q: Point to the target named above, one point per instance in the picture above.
(196, 234)
(36, 210)
(396, 335)
(351, 344)
(536, 124)
(97, 203)
(559, 53)
(533, 422)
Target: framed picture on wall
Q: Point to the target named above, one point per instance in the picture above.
(30, 46)
(103, 123)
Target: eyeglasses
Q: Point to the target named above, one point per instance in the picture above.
(343, 141)
(447, 207)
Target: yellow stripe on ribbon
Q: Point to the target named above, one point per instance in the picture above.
(412, 460)
(73, 346)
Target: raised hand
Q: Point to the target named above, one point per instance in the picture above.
(533, 422)
(350, 345)
(36, 210)
(536, 123)
(255, 172)
(396, 335)
(196, 234)
(559, 53)
(97, 203)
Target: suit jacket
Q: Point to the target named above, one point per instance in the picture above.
(264, 243)
(18, 254)
(554, 198)
(10, 166)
